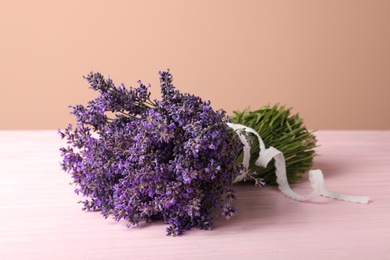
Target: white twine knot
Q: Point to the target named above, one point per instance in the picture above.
(267, 154)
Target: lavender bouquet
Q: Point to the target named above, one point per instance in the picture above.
(173, 159)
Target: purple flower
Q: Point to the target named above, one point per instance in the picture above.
(172, 159)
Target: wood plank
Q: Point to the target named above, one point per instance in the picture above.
(41, 219)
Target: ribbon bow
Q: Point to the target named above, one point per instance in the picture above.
(267, 154)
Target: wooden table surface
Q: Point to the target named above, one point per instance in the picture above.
(41, 219)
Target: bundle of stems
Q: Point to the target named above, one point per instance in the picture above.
(287, 133)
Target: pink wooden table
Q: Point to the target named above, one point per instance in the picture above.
(41, 219)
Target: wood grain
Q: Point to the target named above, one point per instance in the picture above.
(41, 219)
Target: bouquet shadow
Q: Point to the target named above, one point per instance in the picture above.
(255, 206)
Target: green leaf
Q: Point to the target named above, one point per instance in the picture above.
(283, 131)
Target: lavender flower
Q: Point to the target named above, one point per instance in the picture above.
(172, 159)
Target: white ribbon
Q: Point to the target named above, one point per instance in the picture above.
(265, 155)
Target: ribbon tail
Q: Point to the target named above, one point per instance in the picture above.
(345, 197)
(266, 155)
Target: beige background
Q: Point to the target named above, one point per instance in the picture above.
(329, 60)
